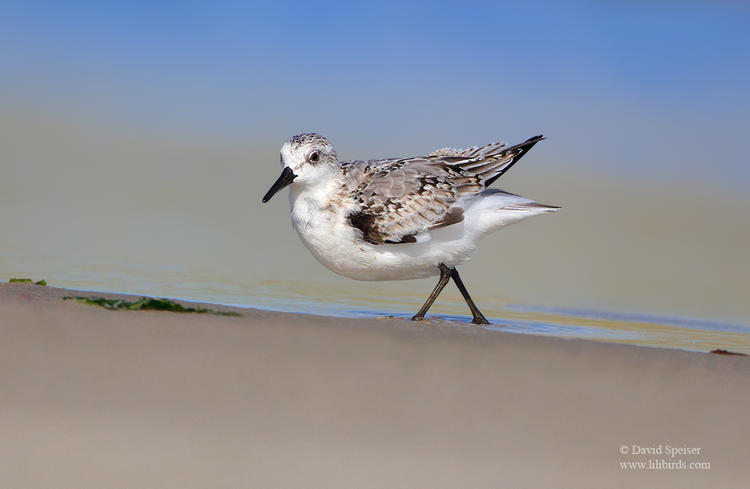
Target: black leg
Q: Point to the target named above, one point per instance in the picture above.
(478, 316)
(445, 276)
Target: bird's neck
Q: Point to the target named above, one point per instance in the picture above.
(309, 199)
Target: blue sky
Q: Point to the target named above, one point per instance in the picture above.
(664, 78)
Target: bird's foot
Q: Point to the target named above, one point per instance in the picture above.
(479, 319)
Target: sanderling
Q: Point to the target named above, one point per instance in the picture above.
(400, 218)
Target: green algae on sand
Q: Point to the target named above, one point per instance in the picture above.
(27, 280)
(147, 303)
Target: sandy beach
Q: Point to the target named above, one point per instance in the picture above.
(100, 398)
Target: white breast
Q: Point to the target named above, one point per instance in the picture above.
(324, 229)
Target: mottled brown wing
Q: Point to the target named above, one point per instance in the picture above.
(401, 198)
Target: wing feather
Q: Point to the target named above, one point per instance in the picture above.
(397, 199)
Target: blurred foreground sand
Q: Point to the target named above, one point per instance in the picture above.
(95, 398)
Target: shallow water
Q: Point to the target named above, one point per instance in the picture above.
(386, 300)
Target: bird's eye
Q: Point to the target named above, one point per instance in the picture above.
(314, 156)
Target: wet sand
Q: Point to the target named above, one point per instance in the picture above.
(99, 398)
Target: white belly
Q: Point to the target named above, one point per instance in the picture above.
(325, 231)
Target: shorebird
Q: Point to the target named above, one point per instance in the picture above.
(400, 218)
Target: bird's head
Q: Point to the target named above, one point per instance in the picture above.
(305, 159)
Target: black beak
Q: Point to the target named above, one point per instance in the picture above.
(287, 176)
